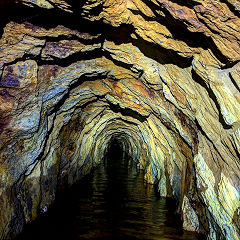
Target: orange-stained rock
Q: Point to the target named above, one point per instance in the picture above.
(160, 76)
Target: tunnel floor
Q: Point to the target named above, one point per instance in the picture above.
(112, 202)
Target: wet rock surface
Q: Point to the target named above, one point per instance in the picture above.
(160, 76)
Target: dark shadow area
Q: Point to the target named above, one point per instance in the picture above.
(118, 35)
(160, 54)
(127, 112)
(114, 153)
(68, 20)
(48, 18)
(74, 58)
(11, 11)
(186, 3)
(234, 82)
(112, 202)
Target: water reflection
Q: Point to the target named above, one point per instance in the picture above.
(113, 202)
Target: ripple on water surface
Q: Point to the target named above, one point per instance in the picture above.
(112, 202)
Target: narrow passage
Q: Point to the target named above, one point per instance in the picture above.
(112, 202)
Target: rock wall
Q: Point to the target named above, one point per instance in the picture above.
(161, 77)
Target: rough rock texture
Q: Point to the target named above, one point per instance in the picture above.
(161, 77)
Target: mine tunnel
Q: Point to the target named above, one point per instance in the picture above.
(115, 152)
(119, 119)
(111, 202)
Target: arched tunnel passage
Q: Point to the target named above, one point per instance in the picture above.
(118, 150)
(115, 151)
(111, 202)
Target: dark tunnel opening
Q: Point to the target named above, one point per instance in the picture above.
(114, 151)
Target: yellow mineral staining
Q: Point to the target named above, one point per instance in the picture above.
(222, 202)
(160, 77)
(157, 33)
(140, 6)
(5, 105)
(39, 3)
(229, 196)
(224, 88)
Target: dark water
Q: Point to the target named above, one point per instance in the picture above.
(113, 202)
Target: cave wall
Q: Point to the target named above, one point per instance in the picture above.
(161, 77)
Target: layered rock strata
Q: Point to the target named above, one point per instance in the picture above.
(161, 77)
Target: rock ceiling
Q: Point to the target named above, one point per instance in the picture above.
(161, 77)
